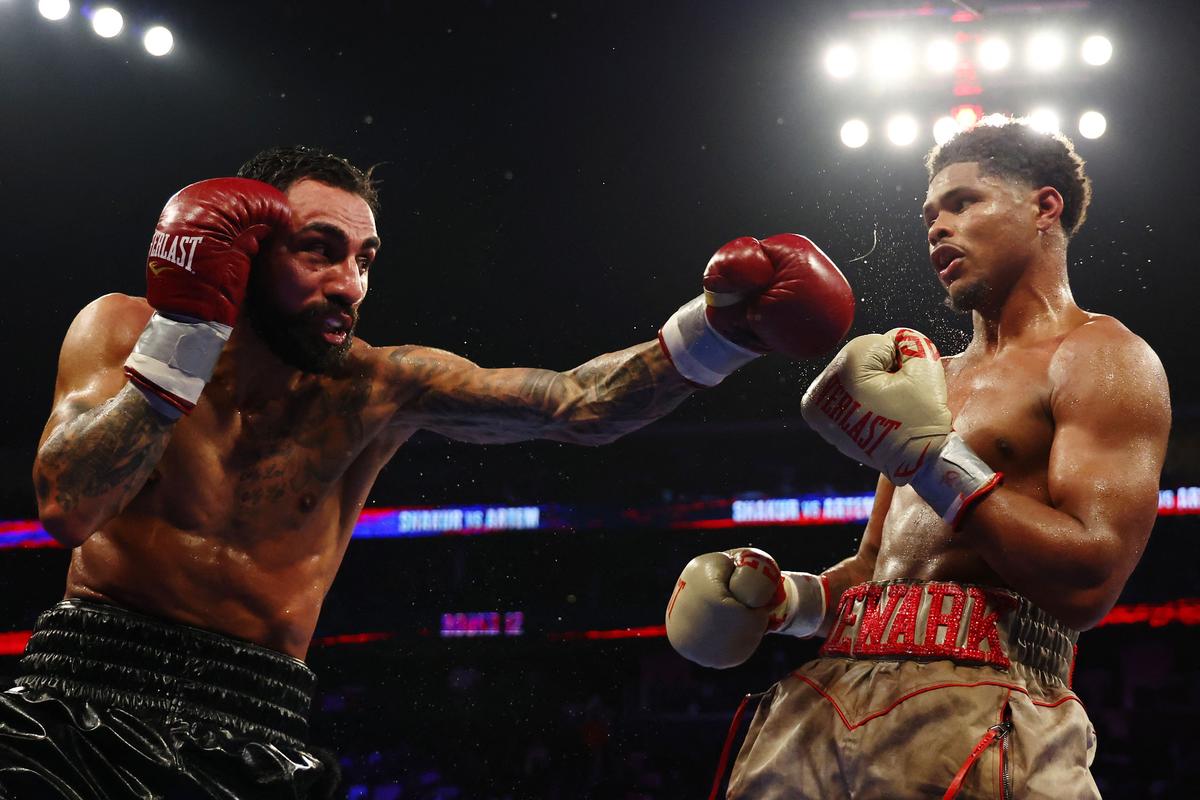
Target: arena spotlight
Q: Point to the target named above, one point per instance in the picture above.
(944, 129)
(854, 133)
(1092, 125)
(941, 56)
(1096, 50)
(994, 54)
(966, 116)
(1045, 51)
(54, 9)
(902, 130)
(841, 61)
(158, 41)
(1043, 120)
(107, 22)
(891, 58)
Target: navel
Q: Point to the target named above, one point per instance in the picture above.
(308, 501)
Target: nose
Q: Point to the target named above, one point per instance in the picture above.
(346, 282)
(938, 230)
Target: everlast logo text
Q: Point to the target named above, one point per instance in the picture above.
(179, 250)
(912, 620)
(867, 429)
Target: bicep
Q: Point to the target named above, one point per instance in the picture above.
(91, 360)
(1112, 417)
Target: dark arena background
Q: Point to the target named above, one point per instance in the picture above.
(554, 177)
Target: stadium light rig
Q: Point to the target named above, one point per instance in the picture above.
(1096, 50)
(1092, 124)
(892, 57)
(1044, 120)
(1045, 52)
(902, 130)
(993, 54)
(108, 23)
(948, 46)
(941, 56)
(158, 41)
(855, 133)
(54, 10)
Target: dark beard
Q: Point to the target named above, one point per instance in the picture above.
(296, 338)
(971, 299)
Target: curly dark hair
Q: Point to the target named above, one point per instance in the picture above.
(1011, 148)
(283, 166)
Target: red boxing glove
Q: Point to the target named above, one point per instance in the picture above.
(781, 294)
(196, 275)
(207, 234)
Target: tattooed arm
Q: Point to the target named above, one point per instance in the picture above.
(103, 438)
(594, 403)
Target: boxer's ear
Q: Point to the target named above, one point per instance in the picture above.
(1050, 205)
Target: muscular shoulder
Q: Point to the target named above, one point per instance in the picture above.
(1100, 344)
(107, 328)
(1103, 360)
(411, 370)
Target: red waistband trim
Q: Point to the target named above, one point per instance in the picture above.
(877, 620)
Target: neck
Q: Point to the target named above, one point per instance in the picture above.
(251, 372)
(1039, 304)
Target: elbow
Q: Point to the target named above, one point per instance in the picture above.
(1077, 617)
(590, 429)
(1096, 607)
(596, 439)
(1083, 610)
(67, 523)
(587, 438)
(69, 530)
(602, 433)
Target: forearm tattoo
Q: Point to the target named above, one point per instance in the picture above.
(105, 452)
(607, 397)
(623, 391)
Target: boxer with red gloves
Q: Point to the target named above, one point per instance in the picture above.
(1018, 483)
(211, 445)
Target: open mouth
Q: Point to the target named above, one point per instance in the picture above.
(951, 271)
(335, 328)
(948, 261)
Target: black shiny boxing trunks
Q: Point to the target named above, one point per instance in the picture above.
(110, 703)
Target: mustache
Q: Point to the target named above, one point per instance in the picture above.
(323, 309)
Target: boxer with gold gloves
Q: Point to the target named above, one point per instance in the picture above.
(1018, 486)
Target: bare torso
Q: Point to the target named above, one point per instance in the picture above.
(243, 523)
(1001, 404)
(235, 518)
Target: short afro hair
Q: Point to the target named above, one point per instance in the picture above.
(283, 166)
(1011, 148)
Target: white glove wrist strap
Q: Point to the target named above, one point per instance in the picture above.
(701, 354)
(955, 480)
(178, 356)
(805, 607)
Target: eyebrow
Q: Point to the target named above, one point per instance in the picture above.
(943, 198)
(370, 243)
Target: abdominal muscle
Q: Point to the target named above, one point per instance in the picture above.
(265, 587)
(917, 544)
